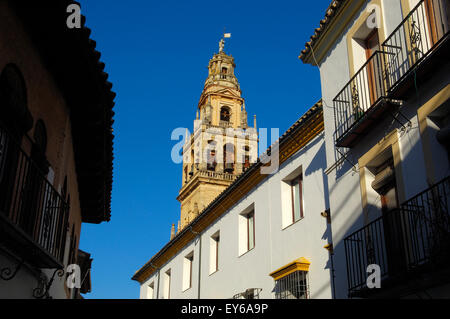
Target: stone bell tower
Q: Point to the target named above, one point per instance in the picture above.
(222, 145)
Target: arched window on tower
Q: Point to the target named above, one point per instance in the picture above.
(211, 156)
(228, 159)
(247, 157)
(223, 73)
(225, 114)
(191, 172)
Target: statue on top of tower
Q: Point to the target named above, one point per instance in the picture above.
(222, 41)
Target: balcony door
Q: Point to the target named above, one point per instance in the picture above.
(373, 70)
(437, 12)
(385, 185)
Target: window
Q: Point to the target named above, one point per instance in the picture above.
(225, 114)
(211, 161)
(246, 162)
(166, 292)
(228, 159)
(214, 253)
(250, 230)
(150, 290)
(297, 198)
(292, 286)
(187, 271)
(224, 73)
(211, 165)
(246, 158)
(246, 225)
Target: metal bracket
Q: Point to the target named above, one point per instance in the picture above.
(7, 274)
(42, 290)
(354, 169)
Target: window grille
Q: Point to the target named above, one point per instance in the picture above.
(293, 286)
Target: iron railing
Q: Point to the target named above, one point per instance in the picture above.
(409, 44)
(412, 41)
(251, 293)
(293, 286)
(29, 201)
(411, 238)
(360, 94)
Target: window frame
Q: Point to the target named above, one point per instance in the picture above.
(251, 216)
(297, 180)
(215, 249)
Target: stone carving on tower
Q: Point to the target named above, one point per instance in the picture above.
(222, 145)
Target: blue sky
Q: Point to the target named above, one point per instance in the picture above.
(156, 53)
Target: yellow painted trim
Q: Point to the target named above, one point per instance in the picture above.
(389, 141)
(301, 264)
(422, 113)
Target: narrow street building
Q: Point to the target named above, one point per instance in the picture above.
(56, 149)
(385, 78)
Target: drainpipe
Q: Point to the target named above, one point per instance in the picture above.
(330, 249)
(199, 259)
(157, 290)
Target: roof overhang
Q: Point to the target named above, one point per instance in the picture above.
(71, 58)
(337, 17)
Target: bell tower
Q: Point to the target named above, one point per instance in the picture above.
(222, 145)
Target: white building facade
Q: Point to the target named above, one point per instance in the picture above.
(268, 244)
(385, 83)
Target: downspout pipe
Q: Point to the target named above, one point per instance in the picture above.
(157, 290)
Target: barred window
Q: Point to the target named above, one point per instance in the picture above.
(293, 286)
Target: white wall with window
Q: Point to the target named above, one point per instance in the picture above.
(187, 271)
(214, 247)
(260, 234)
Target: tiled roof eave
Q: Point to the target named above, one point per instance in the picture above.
(330, 14)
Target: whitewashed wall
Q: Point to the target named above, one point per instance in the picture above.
(344, 182)
(274, 246)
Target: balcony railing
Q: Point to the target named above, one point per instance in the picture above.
(33, 215)
(222, 77)
(359, 96)
(217, 175)
(371, 90)
(414, 39)
(413, 238)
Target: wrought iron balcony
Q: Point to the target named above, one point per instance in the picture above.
(390, 74)
(424, 32)
(412, 239)
(361, 101)
(33, 215)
